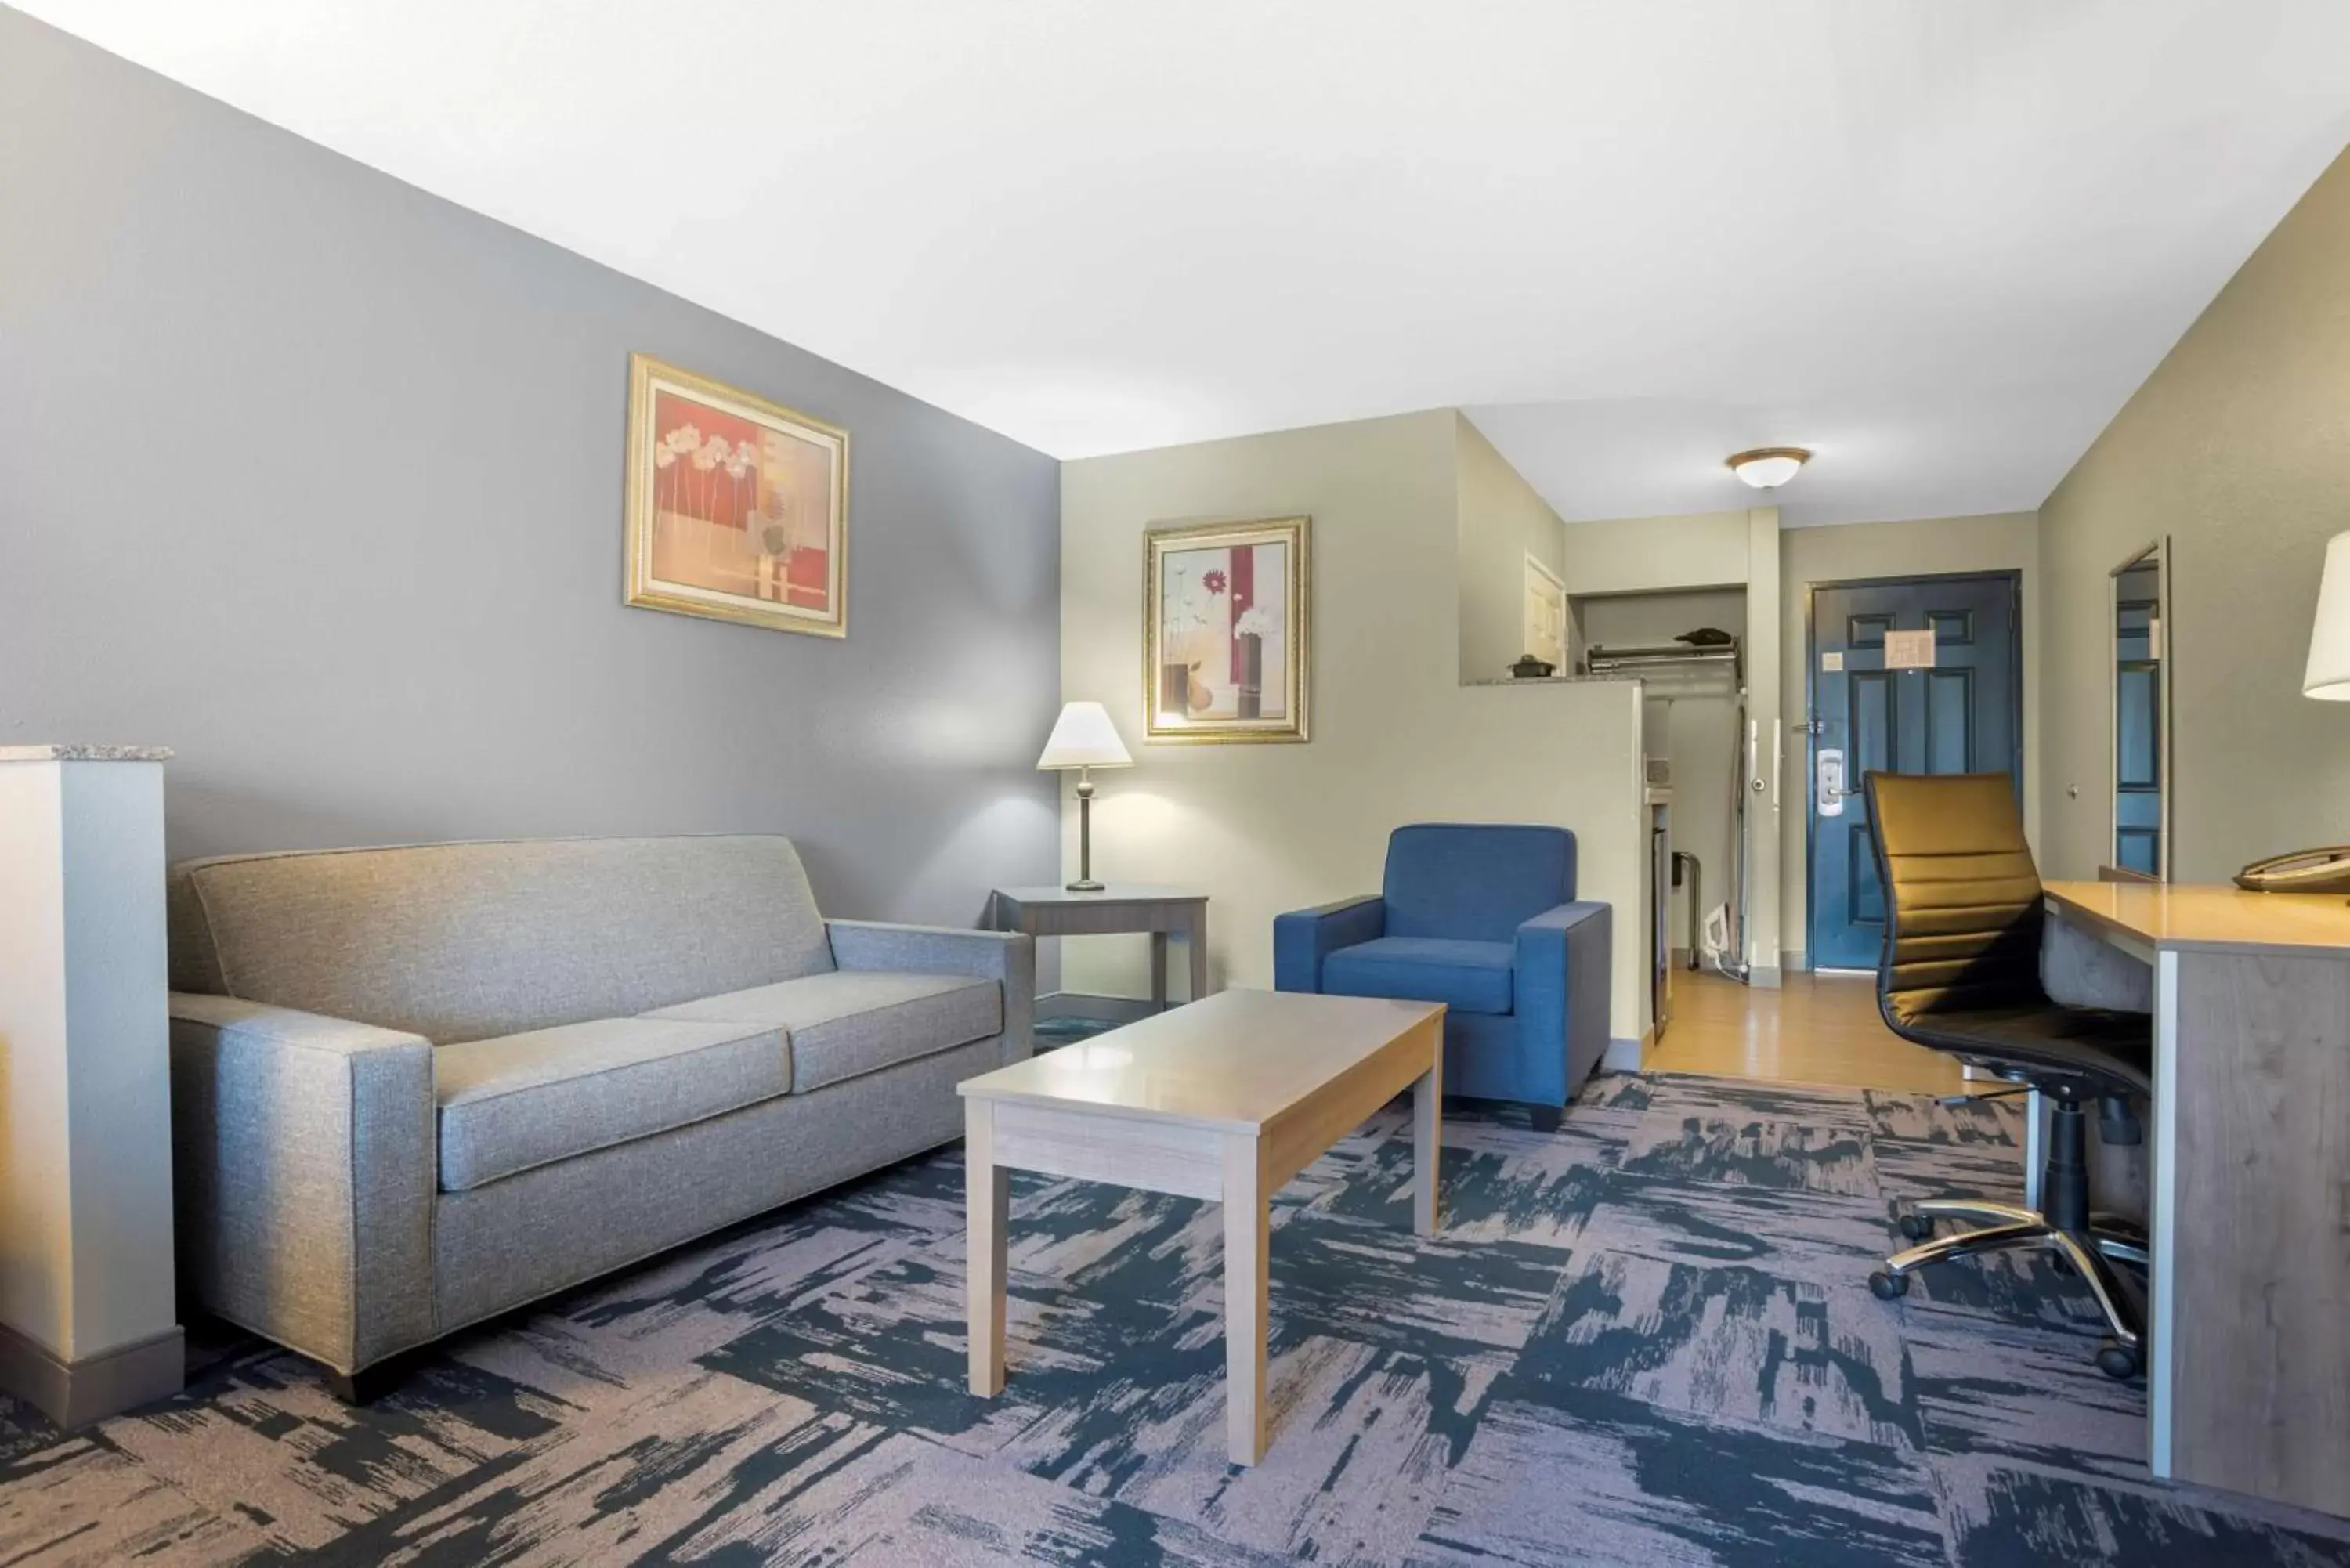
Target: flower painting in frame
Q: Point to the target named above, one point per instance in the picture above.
(737, 507)
(1225, 609)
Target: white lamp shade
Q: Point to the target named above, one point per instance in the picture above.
(2328, 675)
(1084, 737)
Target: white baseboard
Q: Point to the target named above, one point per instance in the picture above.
(77, 1392)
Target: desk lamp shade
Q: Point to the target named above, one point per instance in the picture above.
(1084, 739)
(2328, 675)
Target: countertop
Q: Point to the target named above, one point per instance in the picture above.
(74, 754)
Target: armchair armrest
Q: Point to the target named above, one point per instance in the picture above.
(1302, 938)
(1560, 978)
(306, 1165)
(1008, 958)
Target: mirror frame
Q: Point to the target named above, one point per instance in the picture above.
(2159, 549)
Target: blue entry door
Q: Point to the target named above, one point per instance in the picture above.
(1957, 714)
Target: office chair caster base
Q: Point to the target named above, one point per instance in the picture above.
(2118, 1360)
(1918, 1226)
(1887, 1286)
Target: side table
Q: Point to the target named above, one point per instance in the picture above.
(1134, 907)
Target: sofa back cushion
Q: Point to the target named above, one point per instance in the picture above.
(468, 941)
(1475, 882)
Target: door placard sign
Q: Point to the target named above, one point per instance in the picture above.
(1909, 649)
(1831, 661)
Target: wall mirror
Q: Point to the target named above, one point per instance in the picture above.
(2139, 620)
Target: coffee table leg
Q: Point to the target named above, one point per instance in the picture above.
(1247, 1226)
(987, 1205)
(1426, 1144)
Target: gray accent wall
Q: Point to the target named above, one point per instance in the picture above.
(317, 479)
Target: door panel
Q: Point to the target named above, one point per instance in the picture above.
(1959, 716)
(1950, 714)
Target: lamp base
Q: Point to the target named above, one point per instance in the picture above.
(1086, 885)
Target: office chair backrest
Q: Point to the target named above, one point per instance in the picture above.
(1474, 881)
(1963, 912)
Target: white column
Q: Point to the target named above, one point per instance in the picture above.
(1765, 806)
(88, 1321)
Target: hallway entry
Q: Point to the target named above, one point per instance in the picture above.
(1905, 675)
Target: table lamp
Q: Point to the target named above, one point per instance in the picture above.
(2327, 676)
(1084, 739)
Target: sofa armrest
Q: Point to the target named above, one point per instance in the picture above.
(1302, 938)
(1008, 958)
(1561, 976)
(306, 1171)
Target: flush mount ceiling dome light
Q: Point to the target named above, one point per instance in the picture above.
(1768, 467)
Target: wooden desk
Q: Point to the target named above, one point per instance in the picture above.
(2248, 1367)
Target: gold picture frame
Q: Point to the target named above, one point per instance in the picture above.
(1227, 632)
(737, 508)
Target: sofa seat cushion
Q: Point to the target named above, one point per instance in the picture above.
(519, 1101)
(849, 1023)
(1468, 977)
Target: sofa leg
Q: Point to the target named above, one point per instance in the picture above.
(1545, 1117)
(365, 1386)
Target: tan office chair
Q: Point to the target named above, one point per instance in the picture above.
(1960, 972)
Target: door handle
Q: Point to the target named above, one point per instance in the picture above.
(1829, 792)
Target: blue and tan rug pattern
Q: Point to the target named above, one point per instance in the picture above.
(1644, 1339)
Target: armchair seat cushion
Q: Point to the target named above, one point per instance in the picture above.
(845, 1023)
(518, 1101)
(1468, 977)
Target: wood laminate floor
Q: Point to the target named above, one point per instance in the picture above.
(1814, 1029)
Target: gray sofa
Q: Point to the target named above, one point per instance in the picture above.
(415, 1087)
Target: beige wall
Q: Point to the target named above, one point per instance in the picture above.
(1712, 549)
(2006, 541)
(2238, 447)
(1501, 523)
(1396, 737)
(1644, 555)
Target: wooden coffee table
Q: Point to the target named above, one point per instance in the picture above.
(1223, 1099)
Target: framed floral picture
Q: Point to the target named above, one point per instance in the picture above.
(737, 507)
(1225, 617)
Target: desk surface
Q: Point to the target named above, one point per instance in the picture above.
(2181, 915)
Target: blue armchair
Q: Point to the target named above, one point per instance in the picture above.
(1484, 920)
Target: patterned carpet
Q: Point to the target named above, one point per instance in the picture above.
(1645, 1339)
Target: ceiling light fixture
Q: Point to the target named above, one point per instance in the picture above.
(1768, 467)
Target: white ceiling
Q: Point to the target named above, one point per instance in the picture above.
(1940, 243)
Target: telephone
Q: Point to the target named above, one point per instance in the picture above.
(2324, 870)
